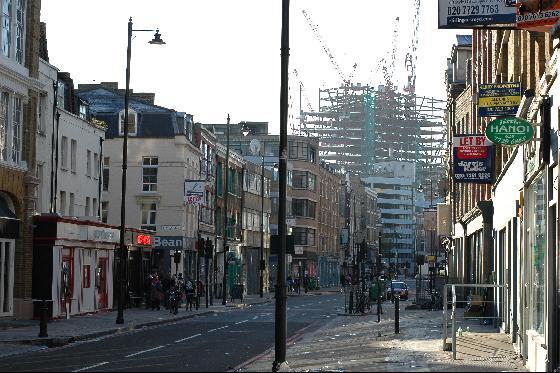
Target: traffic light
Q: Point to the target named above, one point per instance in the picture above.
(208, 248)
(177, 257)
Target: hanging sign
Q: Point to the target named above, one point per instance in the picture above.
(537, 15)
(476, 13)
(499, 99)
(195, 192)
(509, 131)
(473, 159)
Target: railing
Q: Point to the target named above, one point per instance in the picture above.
(483, 300)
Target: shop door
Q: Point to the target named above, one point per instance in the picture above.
(6, 277)
(67, 284)
(101, 284)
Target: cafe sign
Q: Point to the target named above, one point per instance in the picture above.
(509, 131)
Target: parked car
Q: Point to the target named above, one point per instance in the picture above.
(398, 288)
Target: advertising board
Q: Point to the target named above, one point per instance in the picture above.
(509, 131)
(473, 159)
(195, 192)
(476, 13)
(499, 99)
(537, 15)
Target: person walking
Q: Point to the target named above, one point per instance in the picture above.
(189, 291)
(155, 292)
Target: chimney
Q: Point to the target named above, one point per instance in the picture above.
(43, 50)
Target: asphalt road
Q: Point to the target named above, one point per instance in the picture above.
(217, 342)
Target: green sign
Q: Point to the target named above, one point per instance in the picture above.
(509, 131)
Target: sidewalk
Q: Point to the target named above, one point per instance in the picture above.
(101, 324)
(359, 343)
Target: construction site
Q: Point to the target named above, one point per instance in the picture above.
(361, 125)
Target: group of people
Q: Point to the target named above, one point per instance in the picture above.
(294, 285)
(158, 288)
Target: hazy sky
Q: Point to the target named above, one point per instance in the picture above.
(223, 56)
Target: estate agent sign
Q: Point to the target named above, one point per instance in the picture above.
(499, 99)
(476, 13)
(473, 159)
(509, 131)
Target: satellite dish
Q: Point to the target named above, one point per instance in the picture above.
(255, 146)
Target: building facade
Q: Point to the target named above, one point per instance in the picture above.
(19, 93)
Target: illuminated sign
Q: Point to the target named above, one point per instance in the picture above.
(143, 239)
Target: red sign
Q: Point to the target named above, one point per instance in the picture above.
(537, 15)
(471, 147)
(143, 239)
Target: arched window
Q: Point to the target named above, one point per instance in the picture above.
(132, 123)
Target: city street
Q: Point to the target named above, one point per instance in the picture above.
(217, 342)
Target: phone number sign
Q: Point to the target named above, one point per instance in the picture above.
(473, 159)
(476, 13)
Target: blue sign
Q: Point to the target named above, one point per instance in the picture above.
(473, 159)
(498, 99)
(169, 242)
(476, 13)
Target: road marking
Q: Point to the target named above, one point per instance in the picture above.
(192, 336)
(211, 330)
(91, 367)
(143, 352)
(256, 317)
(241, 322)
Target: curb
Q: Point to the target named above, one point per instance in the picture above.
(65, 340)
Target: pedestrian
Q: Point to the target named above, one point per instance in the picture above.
(189, 291)
(296, 285)
(199, 292)
(155, 292)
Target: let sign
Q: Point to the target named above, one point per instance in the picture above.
(473, 159)
(509, 131)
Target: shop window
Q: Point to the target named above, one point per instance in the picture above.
(536, 206)
(86, 280)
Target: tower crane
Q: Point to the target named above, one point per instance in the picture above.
(389, 71)
(412, 56)
(302, 91)
(315, 29)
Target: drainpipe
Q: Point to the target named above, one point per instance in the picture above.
(52, 208)
(100, 173)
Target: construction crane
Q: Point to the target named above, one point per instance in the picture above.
(412, 56)
(389, 71)
(302, 91)
(315, 29)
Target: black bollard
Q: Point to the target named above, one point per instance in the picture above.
(43, 323)
(351, 303)
(379, 309)
(397, 314)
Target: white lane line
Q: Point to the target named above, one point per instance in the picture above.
(211, 330)
(241, 322)
(223, 327)
(256, 317)
(143, 352)
(192, 336)
(91, 367)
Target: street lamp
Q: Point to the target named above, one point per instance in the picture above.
(255, 146)
(156, 40)
(224, 279)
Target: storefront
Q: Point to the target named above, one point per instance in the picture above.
(73, 265)
(9, 232)
(139, 264)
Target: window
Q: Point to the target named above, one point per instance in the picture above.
(303, 236)
(303, 208)
(106, 163)
(20, 32)
(64, 153)
(62, 205)
(86, 280)
(304, 180)
(95, 166)
(219, 179)
(71, 205)
(88, 163)
(132, 116)
(104, 211)
(94, 212)
(83, 111)
(73, 150)
(6, 27)
(88, 206)
(41, 117)
(60, 94)
(149, 174)
(148, 216)
(41, 178)
(17, 130)
(4, 125)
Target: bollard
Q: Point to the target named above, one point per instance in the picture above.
(351, 303)
(397, 314)
(379, 309)
(43, 322)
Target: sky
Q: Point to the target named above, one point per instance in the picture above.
(223, 57)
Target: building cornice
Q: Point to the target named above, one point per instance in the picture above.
(29, 82)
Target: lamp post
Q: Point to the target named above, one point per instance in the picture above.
(122, 251)
(280, 322)
(224, 279)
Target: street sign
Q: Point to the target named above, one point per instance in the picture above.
(499, 99)
(509, 131)
(473, 159)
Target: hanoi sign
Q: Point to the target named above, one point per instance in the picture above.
(509, 131)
